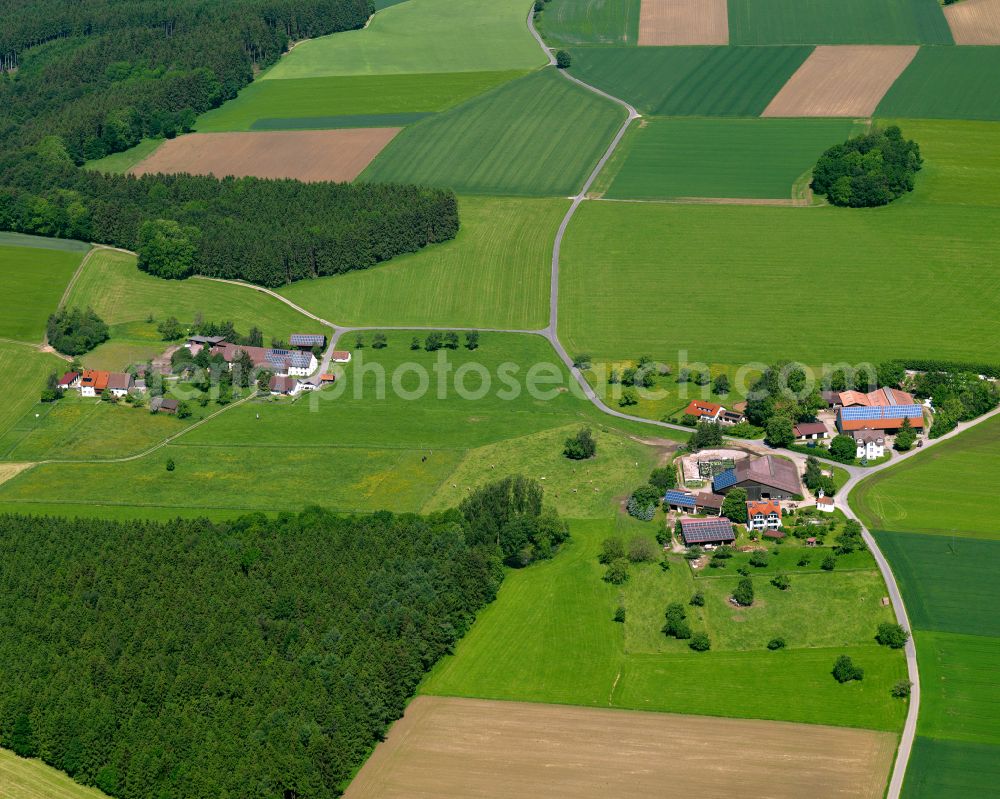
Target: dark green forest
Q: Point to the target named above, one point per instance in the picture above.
(259, 658)
(81, 80)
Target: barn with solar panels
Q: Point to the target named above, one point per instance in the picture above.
(707, 532)
(888, 418)
(768, 477)
(678, 499)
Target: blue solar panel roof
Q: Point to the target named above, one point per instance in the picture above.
(724, 480)
(879, 412)
(681, 498)
(700, 530)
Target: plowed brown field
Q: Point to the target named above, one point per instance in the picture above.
(843, 81)
(675, 22)
(308, 155)
(974, 21)
(447, 748)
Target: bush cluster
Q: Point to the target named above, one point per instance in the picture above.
(868, 170)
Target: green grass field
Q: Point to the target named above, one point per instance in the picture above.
(8, 239)
(32, 779)
(539, 135)
(690, 81)
(24, 371)
(947, 82)
(422, 36)
(32, 280)
(764, 22)
(948, 584)
(940, 769)
(578, 490)
(962, 705)
(77, 428)
(495, 273)
(120, 163)
(947, 490)
(367, 450)
(120, 293)
(285, 102)
(569, 22)
(550, 637)
(759, 158)
(623, 264)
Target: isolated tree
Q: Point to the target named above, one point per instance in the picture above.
(781, 581)
(617, 571)
(700, 642)
(779, 431)
(734, 506)
(359, 342)
(264, 381)
(743, 595)
(183, 409)
(776, 643)
(629, 397)
(758, 559)
(472, 340)
(641, 550)
(255, 338)
(844, 670)
(563, 59)
(901, 689)
(582, 360)
(829, 563)
(450, 340)
(379, 341)
(892, 635)
(843, 448)
(663, 477)
(611, 549)
(620, 614)
(697, 599)
(675, 625)
(721, 384)
(415, 343)
(580, 446)
(170, 329)
(170, 464)
(433, 342)
(906, 437)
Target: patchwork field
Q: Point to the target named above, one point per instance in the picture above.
(126, 298)
(495, 273)
(32, 280)
(974, 21)
(947, 83)
(571, 22)
(944, 491)
(437, 749)
(722, 252)
(683, 22)
(32, 779)
(757, 158)
(941, 769)
(765, 22)
(294, 102)
(847, 81)
(539, 135)
(949, 584)
(550, 637)
(309, 155)
(422, 36)
(690, 81)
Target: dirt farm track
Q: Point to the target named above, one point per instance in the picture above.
(307, 155)
(449, 748)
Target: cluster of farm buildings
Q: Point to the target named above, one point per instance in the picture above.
(868, 418)
(286, 365)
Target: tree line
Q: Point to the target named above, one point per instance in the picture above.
(257, 658)
(95, 78)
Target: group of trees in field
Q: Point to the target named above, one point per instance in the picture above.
(868, 170)
(94, 78)
(74, 331)
(253, 658)
(509, 516)
(958, 396)
(644, 500)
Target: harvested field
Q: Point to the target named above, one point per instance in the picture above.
(447, 747)
(848, 81)
(307, 155)
(974, 21)
(671, 22)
